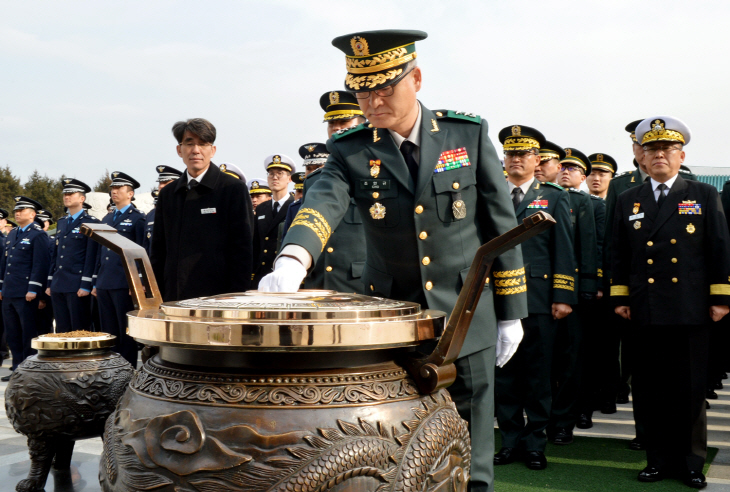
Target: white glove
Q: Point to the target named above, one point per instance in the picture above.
(509, 336)
(287, 276)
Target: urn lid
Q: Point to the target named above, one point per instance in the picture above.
(74, 340)
(307, 320)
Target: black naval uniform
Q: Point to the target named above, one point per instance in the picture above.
(112, 289)
(670, 264)
(23, 269)
(523, 384)
(340, 265)
(267, 231)
(566, 372)
(417, 249)
(73, 260)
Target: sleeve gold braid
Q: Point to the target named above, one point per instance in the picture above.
(308, 217)
(559, 283)
(719, 290)
(508, 273)
(619, 290)
(564, 277)
(511, 290)
(600, 272)
(509, 282)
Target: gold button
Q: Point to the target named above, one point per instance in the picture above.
(263, 263)
(651, 243)
(576, 270)
(674, 260)
(419, 209)
(651, 262)
(266, 251)
(673, 241)
(329, 268)
(266, 239)
(429, 285)
(675, 280)
(545, 276)
(426, 260)
(423, 235)
(486, 281)
(371, 287)
(330, 249)
(376, 194)
(439, 114)
(370, 125)
(651, 280)
(455, 186)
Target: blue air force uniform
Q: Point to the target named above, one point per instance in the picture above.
(110, 280)
(24, 269)
(72, 268)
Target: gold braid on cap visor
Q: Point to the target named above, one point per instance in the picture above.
(520, 143)
(602, 166)
(574, 160)
(662, 135)
(546, 155)
(342, 113)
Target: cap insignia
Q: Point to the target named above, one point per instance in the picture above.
(516, 131)
(334, 98)
(599, 158)
(223, 167)
(359, 46)
(568, 153)
(114, 175)
(254, 184)
(658, 125)
(67, 181)
(17, 198)
(160, 169)
(276, 160)
(311, 148)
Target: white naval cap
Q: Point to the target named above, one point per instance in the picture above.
(279, 161)
(663, 129)
(232, 170)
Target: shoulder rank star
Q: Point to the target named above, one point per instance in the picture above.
(377, 211)
(375, 168)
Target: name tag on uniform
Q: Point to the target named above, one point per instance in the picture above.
(150, 223)
(688, 208)
(260, 217)
(637, 216)
(207, 210)
(374, 184)
(127, 221)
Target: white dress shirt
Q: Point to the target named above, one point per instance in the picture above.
(655, 186)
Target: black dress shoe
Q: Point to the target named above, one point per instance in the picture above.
(505, 456)
(695, 479)
(724, 375)
(711, 395)
(707, 405)
(718, 385)
(5, 379)
(608, 407)
(622, 398)
(636, 445)
(584, 421)
(650, 474)
(535, 460)
(563, 436)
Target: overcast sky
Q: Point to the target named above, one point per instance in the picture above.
(88, 86)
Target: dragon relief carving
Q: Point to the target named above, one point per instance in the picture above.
(176, 452)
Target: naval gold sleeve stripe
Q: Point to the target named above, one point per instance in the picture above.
(511, 290)
(719, 290)
(619, 290)
(508, 273)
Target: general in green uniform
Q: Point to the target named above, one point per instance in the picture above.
(430, 191)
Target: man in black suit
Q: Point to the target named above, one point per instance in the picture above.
(270, 215)
(671, 277)
(203, 226)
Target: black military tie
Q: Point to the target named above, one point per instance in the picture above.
(407, 148)
(192, 184)
(516, 196)
(276, 208)
(662, 196)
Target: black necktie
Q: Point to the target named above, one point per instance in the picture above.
(662, 196)
(407, 148)
(276, 208)
(192, 184)
(516, 196)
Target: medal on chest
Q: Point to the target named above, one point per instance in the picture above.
(377, 211)
(375, 168)
(690, 228)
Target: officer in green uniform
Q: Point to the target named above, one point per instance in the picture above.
(340, 265)
(550, 156)
(523, 385)
(341, 111)
(429, 190)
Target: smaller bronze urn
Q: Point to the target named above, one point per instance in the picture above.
(63, 394)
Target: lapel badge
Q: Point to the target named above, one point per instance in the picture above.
(375, 168)
(637, 225)
(459, 209)
(690, 228)
(435, 126)
(376, 138)
(636, 208)
(377, 211)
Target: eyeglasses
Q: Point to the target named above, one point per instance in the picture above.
(384, 92)
(277, 174)
(190, 145)
(667, 149)
(571, 169)
(518, 154)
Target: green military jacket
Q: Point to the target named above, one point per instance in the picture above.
(341, 263)
(585, 242)
(549, 259)
(421, 237)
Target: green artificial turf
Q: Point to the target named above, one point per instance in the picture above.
(590, 464)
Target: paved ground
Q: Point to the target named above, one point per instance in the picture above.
(14, 463)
